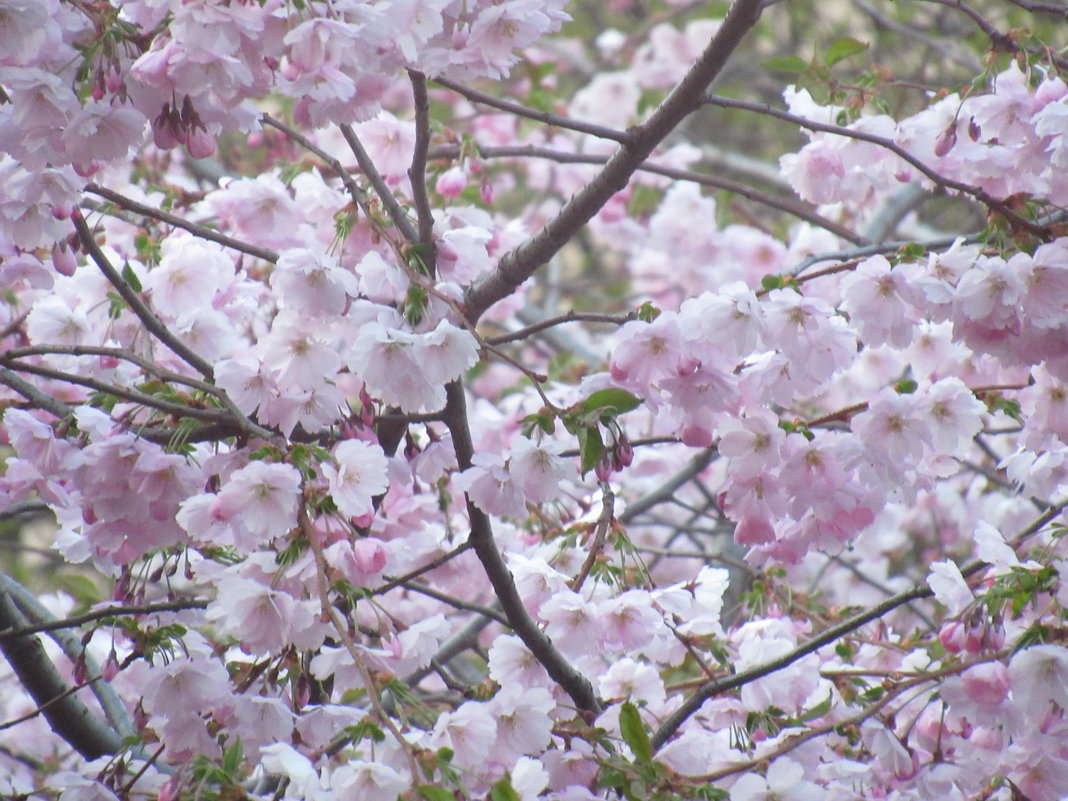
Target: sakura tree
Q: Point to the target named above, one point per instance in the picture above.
(445, 400)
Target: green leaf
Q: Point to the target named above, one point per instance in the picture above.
(906, 386)
(843, 49)
(913, 251)
(130, 277)
(502, 790)
(612, 401)
(634, 733)
(647, 312)
(431, 792)
(590, 447)
(786, 64)
(770, 282)
(232, 758)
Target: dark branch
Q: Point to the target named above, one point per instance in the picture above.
(481, 538)
(519, 264)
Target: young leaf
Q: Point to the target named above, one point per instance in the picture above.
(634, 733)
(590, 447)
(612, 401)
(843, 49)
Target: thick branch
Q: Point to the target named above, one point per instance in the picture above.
(417, 172)
(573, 682)
(67, 715)
(518, 265)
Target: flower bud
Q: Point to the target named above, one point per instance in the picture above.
(945, 142)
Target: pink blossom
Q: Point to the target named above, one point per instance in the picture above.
(490, 487)
(267, 495)
(359, 476)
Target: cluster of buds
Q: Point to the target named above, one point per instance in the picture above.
(616, 456)
(183, 127)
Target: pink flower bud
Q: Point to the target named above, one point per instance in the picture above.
(171, 790)
(452, 182)
(370, 555)
(63, 259)
(303, 694)
(61, 211)
(163, 135)
(603, 468)
(200, 144)
(110, 668)
(952, 637)
(114, 80)
(81, 673)
(945, 142)
(485, 192)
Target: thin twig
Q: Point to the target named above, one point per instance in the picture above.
(979, 194)
(378, 183)
(520, 110)
(148, 318)
(180, 222)
(795, 208)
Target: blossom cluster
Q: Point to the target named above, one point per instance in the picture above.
(367, 534)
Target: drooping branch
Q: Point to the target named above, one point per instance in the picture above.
(510, 106)
(519, 264)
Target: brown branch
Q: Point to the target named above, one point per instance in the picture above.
(795, 208)
(712, 689)
(481, 538)
(520, 110)
(521, 263)
(981, 195)
(100, 614)
(417, 172)
(571, 316)
(133, 300)
(180, 222)
(378, 183)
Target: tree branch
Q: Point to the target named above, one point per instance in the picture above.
(481, 537)
(389, 201)
(981, 195)
(417, 172)
(133, 300)
(180, 222)
(66, 714)
(519, 264)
